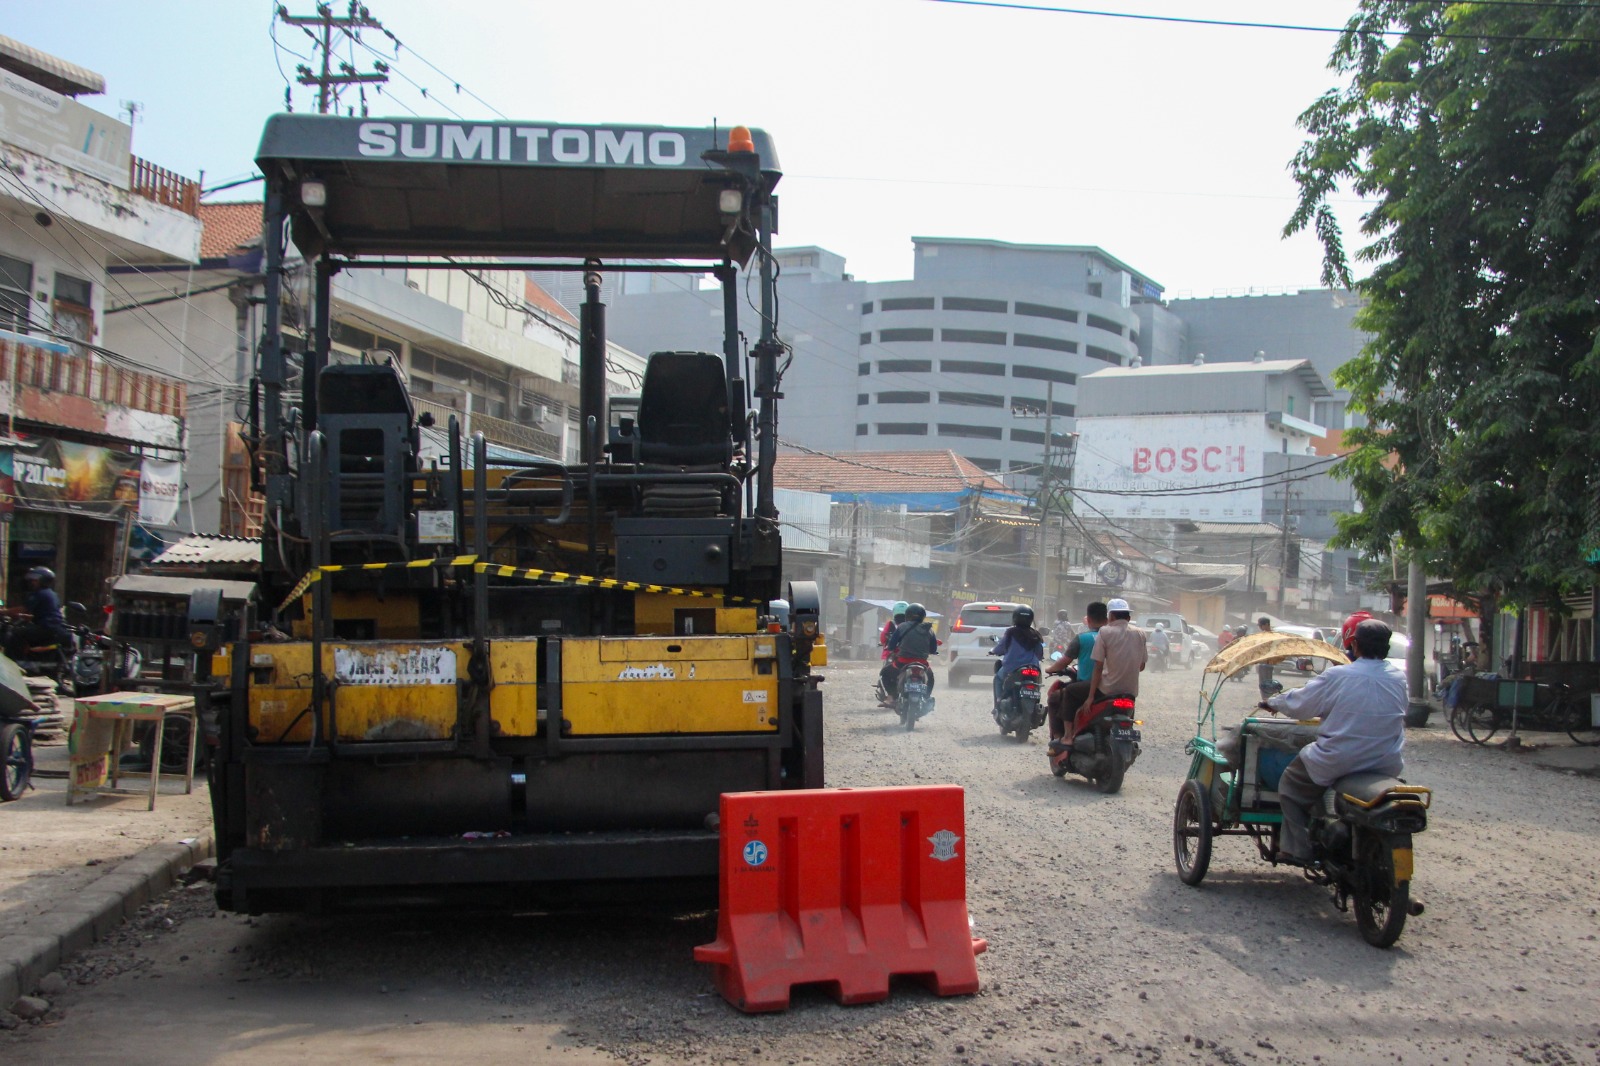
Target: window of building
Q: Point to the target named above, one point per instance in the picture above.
(902, 429)
(1027, 405)
(70, 309)
(890, 336)
(866, 338)
(970, 366)
(1060, 314)
(957, 429)
(862, 398)
(861, 429)
(16, 289)
(905, 366)
(1044, 373)
(903, 397)
(969, 303)
(1105, 324)
(1105, 355)
(909, 303)
(992, 466)
(866, 308)
(1034, 436)
(863, 369)
(972, 399)
(1054, 344)
(972, 336)
(1095, 289)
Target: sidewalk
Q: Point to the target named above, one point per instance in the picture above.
(1549, 751)
(69, 875)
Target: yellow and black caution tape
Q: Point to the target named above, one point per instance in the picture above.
(558, 577)
(416, 564)
(553, 577)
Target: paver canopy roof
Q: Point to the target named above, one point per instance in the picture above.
(419, 186)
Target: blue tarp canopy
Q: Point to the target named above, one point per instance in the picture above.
(884, 605)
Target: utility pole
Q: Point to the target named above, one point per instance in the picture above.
(1044, 495)
(1283, 557)
(357, 19)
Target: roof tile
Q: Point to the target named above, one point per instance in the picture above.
(228, 227)
(883, 472)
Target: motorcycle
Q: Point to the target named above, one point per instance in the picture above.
(1019, 709)
(1103, 746)
(57, 660)
(914, 692)
(16, 754)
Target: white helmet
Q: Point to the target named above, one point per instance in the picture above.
(1161, 625)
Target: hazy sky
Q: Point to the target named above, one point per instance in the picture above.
(1165, 144)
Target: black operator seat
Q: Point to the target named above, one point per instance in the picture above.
(683, 412)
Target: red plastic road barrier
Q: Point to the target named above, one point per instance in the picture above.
(842, 887)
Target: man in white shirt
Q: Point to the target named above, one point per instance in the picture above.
(1363, 712)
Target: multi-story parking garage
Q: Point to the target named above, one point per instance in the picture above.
(967, 356)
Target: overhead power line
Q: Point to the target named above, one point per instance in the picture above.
(1240, 24)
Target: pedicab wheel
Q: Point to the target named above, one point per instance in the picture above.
(1482, 723)
(1381, 903)
(1111, 780)
(1580, 724)
(1191, 833)
(14, 773)
(1458, 722)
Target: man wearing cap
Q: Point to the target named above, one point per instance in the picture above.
(1118, 656)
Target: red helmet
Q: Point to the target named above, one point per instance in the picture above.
(1347, 632)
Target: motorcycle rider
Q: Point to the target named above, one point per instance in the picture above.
(1267, 684)
(912, 639)
(1118, 656)
(1064, 701)
(1160, 645)
(1062, 632)
(899, 615)
(1018, 646)
(1347, 632)
(49, 625)
(1363, 710)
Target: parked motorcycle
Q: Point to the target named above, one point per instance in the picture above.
(1103, 746)
(1019, 709)
(914, 692)
(17, 726)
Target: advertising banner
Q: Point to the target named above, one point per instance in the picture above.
(160, 486)
(64, 131)
(53, 475)
(1204, 467)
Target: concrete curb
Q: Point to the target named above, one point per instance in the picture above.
(92, 914)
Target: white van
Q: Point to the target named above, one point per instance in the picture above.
(1180, 637)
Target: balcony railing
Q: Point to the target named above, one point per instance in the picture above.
(165, 187)
(494, 430)
(48, 369)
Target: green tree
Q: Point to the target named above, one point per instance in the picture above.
(1475, 129)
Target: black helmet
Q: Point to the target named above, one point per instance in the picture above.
(43, 574)
(1061, 616)
(1022, 616)
(916, 613)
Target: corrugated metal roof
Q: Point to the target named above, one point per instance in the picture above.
(50, 71)
(206, 548)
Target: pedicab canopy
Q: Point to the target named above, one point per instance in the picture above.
(418, 187)
(1260, 648)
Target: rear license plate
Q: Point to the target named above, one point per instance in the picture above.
(1125, 732)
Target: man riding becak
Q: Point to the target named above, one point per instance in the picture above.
(1363, 710)
(912, 639)
(1118, 657)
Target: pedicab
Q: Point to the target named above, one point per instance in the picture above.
(1361, 836)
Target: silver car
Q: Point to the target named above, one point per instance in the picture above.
(972, 634)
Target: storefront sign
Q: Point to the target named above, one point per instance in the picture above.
(160, 486)
(61, 129)
(53, 475)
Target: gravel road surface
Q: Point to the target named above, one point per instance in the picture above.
(1098, 954)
